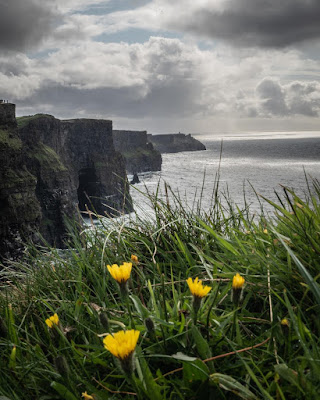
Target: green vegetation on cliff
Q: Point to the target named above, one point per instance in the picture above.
(23, 121)
(8, 139)
(47, 157)
(259, 340)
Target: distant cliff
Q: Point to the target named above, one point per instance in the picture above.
(175, 142)
(49, 168)
(140, 155)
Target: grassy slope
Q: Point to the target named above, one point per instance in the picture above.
(23, 121)
(279, 259)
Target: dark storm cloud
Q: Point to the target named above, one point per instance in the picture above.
(24, 23)
(172, 100)
(266, 23)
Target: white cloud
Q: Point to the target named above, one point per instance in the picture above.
(161, 78)
(295, 98)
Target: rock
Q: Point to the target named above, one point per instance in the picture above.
(135, 179)
(20, 211)
(49, 168)
(175, 142)
(140, 156)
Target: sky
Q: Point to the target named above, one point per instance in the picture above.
(163, 65)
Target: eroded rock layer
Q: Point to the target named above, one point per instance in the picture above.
(139, 154)
(50, 168)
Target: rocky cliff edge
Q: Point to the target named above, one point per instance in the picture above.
(50, 168)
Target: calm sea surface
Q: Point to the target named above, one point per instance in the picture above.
(263, 160)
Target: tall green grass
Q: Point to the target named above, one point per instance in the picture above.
(228, 352)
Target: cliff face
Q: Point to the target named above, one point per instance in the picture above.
(98, 169)
(49, 168)
(20, 211)
(92, 173)
(140, 156)
(175, 142)
(55, 188)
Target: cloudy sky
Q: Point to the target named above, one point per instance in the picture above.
(164, 65)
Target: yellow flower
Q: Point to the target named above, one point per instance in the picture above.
(265, 231)
(87, 396)
(122, 343)
(238, 281)
(284, 322)
(197, 288)
(121, 273)
(134, 258)
(53, 320)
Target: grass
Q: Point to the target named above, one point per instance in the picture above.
(10, 141)
(47, 157)
(227, 350)
(24, 121)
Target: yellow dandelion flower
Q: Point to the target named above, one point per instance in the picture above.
(122, 344)
(238, 281)
(265, 231)
(284, 322)
(121, 273)
(87, 396)
(134, 258)
(53, 320)
(197, 288)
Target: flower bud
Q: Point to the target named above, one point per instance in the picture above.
(149, 325)
(104, 320)
(62, 366)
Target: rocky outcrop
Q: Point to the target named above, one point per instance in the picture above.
(140, 156)
(20, 211)
(50, 168)
(175, 142)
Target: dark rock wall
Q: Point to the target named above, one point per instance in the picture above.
(50, 167)
(20, 211)
(140, 155)
(95, 161)
(175, 142)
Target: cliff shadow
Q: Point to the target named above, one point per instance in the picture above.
(88, 190)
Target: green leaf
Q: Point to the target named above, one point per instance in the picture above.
(314, 287)
(183, 357)
(230, 384)
(11, 325)
(201, 344)
(224, 242)
(141, 309)
(153, 390)
(288, 374)
(195, 371)
(63, 391)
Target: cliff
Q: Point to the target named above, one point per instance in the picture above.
(49, 168)
(175, 142)
(140, 156)
(20, 211)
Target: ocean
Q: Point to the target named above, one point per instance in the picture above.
(251, 163)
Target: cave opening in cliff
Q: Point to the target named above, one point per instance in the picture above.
(88, 189)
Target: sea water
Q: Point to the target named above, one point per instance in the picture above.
(257, 164)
